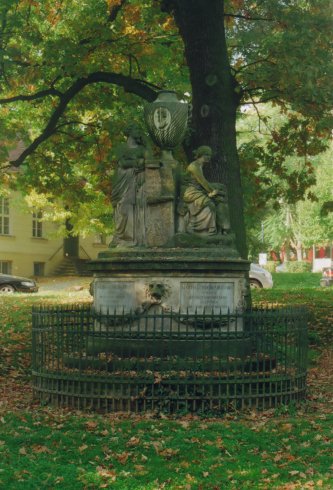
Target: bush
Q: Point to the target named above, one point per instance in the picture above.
(298, 266)
(270, 266)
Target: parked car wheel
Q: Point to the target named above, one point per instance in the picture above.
(259, 277)
(7, 289)
(255, 284)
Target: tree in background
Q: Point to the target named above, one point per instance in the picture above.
(287, 213)
(72, 73)
(294, 228)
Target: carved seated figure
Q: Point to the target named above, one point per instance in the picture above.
(206, 210)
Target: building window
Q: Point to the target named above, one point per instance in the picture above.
(37, 224)
(4, 216)
(39, 268)
(5, 267)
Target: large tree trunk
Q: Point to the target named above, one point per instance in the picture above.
(215, 101)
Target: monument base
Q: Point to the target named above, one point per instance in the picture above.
(196, 282)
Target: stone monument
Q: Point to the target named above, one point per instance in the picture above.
(173, 249)
(169, 329)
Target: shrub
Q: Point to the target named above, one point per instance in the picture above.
(270, 265)
(298, 266)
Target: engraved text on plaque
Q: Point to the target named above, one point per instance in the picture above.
(114, 296)
(211, 297)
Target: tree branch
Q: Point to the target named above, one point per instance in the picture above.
(272, 92)
(258, 114)
(132, 85)
(70, 123)
(244, 67)
(115, 10)
(247, 17)
(261, 101)
(37, 95)
(73, 137)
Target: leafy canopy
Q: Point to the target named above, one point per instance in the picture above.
(72, 74)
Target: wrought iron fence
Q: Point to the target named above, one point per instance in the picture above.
(169, 361)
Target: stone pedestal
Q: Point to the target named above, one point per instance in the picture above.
(196, 281)
(176, 292)
(160, 212)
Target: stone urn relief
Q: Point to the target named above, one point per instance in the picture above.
(166, 120)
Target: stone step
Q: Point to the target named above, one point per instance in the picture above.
(72, 267)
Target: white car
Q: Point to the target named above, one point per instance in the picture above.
(259, 277)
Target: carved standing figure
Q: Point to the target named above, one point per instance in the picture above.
(127, 194)
(206, 202)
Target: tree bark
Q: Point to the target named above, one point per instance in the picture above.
(214, 98)
(299, 251)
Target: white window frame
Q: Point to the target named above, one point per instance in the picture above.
(4, 216)
(37, 224)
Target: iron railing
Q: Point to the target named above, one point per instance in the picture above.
(169, 361)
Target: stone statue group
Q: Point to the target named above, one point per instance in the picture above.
(201, 206)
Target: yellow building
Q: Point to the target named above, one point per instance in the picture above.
(29, 246)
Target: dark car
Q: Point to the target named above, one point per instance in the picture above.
(327, 277)
(12, 284)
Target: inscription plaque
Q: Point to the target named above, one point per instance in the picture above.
(211, 297)
(115, 296)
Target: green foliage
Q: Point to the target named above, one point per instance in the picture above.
(269, 214)
(270, 266)
(267, 50)
(273, 160)
(47, 47)
(278, 143)
(298, 266)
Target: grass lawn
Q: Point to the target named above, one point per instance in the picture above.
(297, 280)
(291, 289)
(287, 448)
